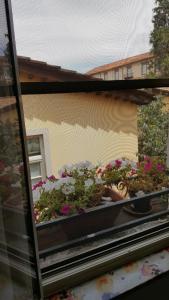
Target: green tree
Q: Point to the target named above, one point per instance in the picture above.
(153, 122)
(159, 38)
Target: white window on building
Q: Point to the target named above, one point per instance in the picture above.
(106, 76)
(144, 68)
(129, 72)
(116, 74)
(36, 158)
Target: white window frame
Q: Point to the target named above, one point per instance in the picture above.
(144, 68)
(44, 157)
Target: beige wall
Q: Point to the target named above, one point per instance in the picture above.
(136, 68)
(84, 126)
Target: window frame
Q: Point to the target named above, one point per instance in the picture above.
(87, 267)
(45, 157)
(105, 262)
(144, 64)
(14, 89)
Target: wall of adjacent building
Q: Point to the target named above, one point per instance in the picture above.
(84, 126)
(136, 69)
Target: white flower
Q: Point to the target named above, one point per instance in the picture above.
(140, 193)
(98, 180)
(124, 163)
(89, 182)
(36, 194)
(80, 173)
(49, 185)
(84, 165)
(68, 189)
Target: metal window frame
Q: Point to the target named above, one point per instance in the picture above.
(16, 92)
(103, 262)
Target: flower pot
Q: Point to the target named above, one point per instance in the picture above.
(139, 207)
(64, 229)
(142, 206)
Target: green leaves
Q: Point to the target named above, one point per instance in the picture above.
(153, 123)
(159, 37)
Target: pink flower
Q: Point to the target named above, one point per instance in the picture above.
(38, 184)
(65, 210)
(147, 158)
(109, 166)
(118, 163)
(148, 166)
(52, 178)
(63, 175)
(133, 172)
(99, 171)
(160, 167)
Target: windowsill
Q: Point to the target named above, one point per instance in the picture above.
(121, 280)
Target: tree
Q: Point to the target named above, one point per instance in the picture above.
(159, 38)
(153, 121)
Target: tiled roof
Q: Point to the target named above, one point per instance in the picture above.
(56, 72)
(121, 63)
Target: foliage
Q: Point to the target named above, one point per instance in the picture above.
(117, 171)
(151, 176)
(78, 188)
(159, 38)
(153, 123)
(83, 185)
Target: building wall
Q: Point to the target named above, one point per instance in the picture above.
(136, 68)
(84, 126)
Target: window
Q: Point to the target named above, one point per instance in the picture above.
(116, 74)
(144, 68)
(129, 72)
(36, 158)
(106, 76)
(105, 198)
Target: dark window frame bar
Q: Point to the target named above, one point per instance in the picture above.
(15, 91)
(33, 88)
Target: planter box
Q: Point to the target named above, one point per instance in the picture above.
(65, 229)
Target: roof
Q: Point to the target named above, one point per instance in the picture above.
(121, 63)
(50, 72)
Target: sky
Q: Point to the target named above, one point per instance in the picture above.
(82, 34)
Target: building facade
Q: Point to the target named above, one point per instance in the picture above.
(135, 67)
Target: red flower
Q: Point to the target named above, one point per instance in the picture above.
(65, 210)
(52, 178)
(148, 166)
(39, 184)
(118, 163)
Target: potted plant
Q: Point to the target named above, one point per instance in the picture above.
(138, 187)
(116, 174)
(150, 177)
(72, 203)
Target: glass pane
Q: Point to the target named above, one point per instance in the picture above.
(108, 154)
(34, 181)
(110, 34)
(33, 144)
(35, 170)
(108, 150)
(18, 264)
